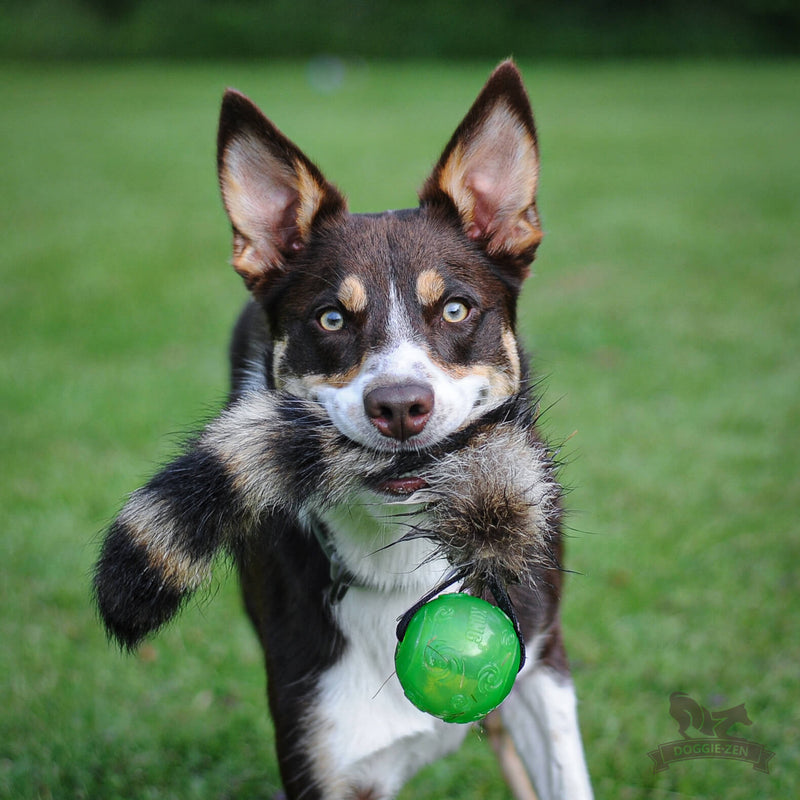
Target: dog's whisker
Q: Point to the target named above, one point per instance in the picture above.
(381, 687)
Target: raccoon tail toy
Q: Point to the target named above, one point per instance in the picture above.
(492, 499)
(263, 453)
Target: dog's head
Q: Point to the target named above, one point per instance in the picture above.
(401, 324)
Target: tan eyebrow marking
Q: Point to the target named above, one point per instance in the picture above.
(352, 294)
(430, 287)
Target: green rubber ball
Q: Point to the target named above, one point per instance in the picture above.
(459, 658)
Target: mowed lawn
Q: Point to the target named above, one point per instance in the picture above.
(664, 316)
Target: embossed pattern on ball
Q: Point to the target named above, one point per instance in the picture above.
(459, 658)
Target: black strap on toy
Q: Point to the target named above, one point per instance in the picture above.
(495, 587)
(452, 577)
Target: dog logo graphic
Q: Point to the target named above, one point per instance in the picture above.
(713, 740)
(689, 713)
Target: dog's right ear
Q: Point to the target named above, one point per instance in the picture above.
(272, 192)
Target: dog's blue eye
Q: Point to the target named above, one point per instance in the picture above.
(331, 320)
(455, 311)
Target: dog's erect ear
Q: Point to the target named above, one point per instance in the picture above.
(490, 169)
(273, 194)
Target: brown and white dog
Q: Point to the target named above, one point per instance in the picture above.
(378, 447)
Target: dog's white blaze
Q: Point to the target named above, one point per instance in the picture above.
(404, 360)
(398, 325)
(367, 735)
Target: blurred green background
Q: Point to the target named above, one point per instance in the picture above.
(663, 316)
(453, 29)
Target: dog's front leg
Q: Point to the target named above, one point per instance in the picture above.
(540, 716)
(514, 770)
(497, 511)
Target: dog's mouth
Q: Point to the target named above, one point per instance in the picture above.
(401, 487)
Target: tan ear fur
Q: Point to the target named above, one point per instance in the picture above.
(490, 170)
(273, 194)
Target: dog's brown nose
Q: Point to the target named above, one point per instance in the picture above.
(400, 411)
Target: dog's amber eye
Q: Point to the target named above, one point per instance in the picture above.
(331, 320)
(455, 311)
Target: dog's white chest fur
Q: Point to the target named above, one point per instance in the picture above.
(365, 534)
(366, 733)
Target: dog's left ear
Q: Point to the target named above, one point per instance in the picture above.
(489, 172)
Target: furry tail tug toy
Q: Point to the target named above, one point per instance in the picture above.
(485, 490)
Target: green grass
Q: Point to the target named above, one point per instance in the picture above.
(664, 314)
